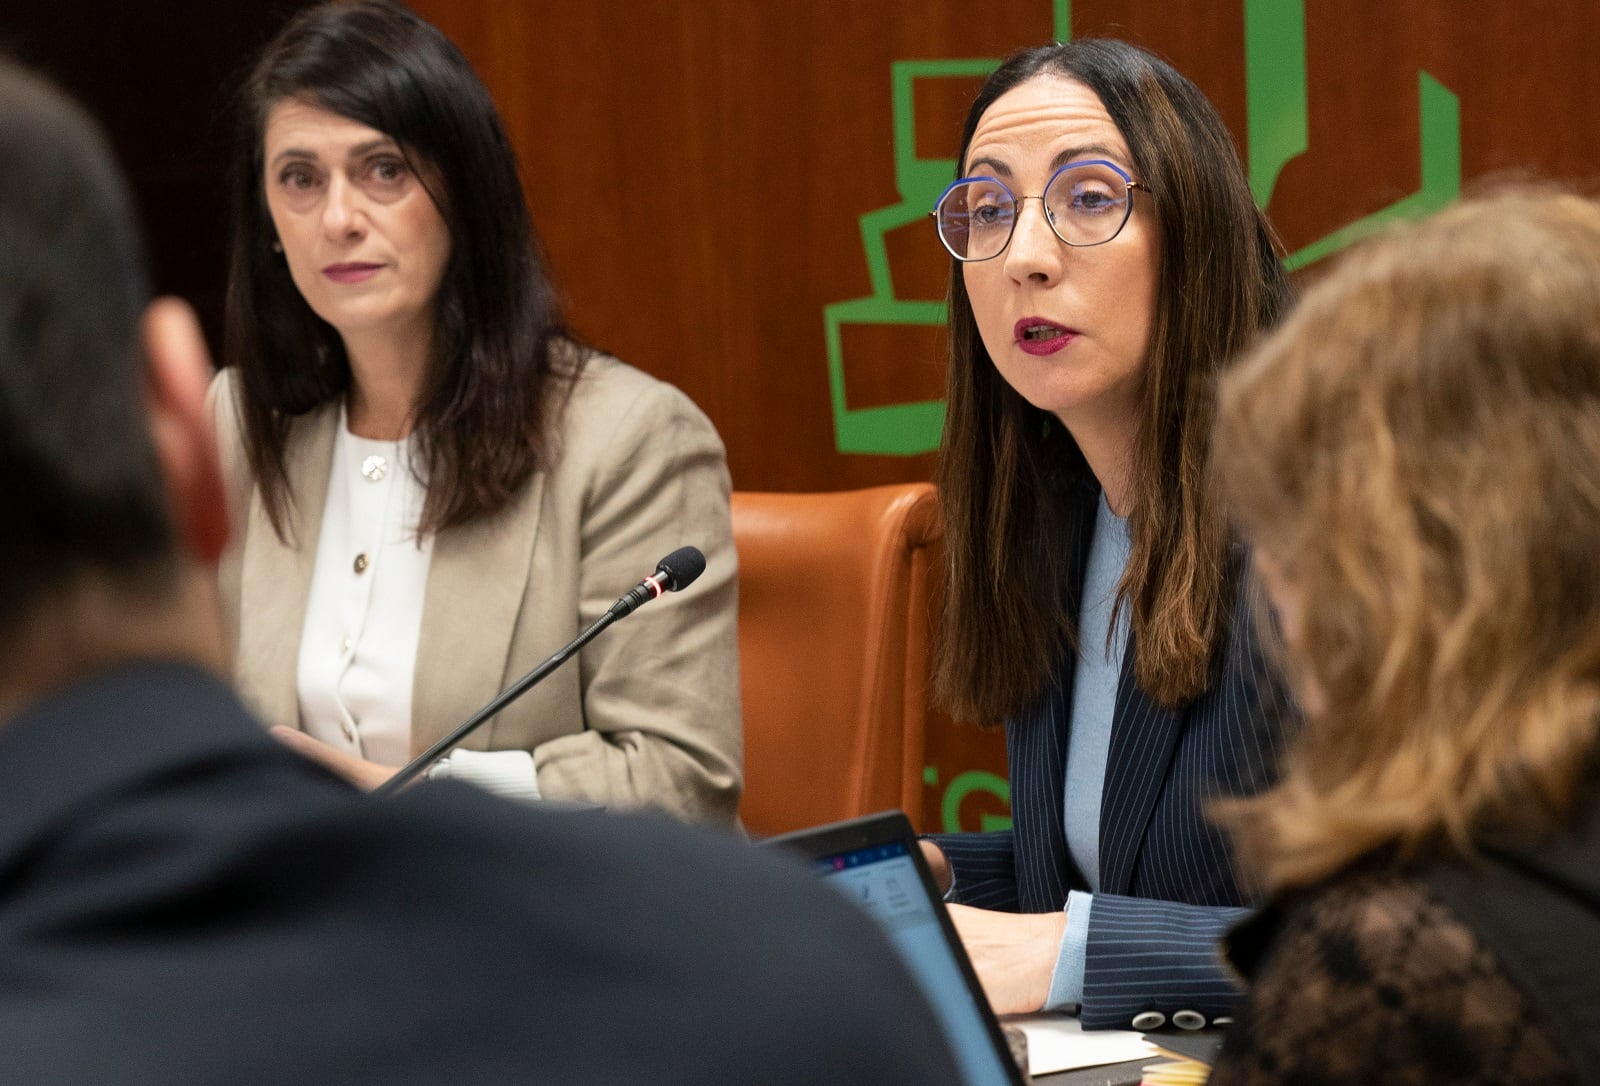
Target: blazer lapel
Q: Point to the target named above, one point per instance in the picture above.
(1144, 736)
(275, 578)
(1036, 745)
(477, 585)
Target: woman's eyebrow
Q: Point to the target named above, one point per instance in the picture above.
(996, 167)
(1069, 154)
(369, 146)
(292, 152)
(364, 148)
(1072, 154)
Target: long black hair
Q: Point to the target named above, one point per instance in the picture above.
(500, 352)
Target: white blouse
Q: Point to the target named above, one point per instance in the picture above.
(364, 619)
(358, 649)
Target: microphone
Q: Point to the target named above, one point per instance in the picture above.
(676, 571)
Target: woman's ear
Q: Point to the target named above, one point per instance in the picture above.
(177, 374)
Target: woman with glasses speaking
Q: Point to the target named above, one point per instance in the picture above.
(1108, 259)
(433, 486)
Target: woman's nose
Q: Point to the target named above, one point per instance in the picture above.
(342, 214)
(1034, 251)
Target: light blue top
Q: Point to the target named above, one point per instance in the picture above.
(1094, 701)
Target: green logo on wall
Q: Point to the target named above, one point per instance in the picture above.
(973, 781)
(1276, 103)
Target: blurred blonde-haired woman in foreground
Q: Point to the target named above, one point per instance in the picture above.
(1416, 457)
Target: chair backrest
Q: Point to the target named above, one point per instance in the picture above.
(834, 632)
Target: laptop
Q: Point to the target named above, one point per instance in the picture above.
(876, 863)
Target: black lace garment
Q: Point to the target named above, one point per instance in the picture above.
(1369, 979)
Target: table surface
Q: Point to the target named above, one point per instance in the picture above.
(1111, 1074)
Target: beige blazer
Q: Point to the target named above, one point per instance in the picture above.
(648, 714)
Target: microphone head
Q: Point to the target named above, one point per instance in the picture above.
(681, 567)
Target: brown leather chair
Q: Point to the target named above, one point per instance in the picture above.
(834, 628)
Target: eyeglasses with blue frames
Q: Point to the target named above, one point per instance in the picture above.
(1085, 203)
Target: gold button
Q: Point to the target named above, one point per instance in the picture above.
(361, 563)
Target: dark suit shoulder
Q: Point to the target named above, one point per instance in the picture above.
(256, 922)
(660, 950)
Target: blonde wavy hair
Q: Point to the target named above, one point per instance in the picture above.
(1415, 455)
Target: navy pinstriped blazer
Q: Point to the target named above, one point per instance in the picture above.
(1168, 885)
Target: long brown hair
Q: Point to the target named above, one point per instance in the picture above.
(1416, 456)
(1008, 472)
(501, 354)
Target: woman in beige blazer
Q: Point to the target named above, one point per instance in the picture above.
(433, 487)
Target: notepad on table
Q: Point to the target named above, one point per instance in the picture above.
(1058, 1042)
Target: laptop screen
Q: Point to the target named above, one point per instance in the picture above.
(874, 862)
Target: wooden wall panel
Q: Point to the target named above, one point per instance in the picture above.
(697, 170)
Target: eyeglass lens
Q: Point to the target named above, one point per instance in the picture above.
(1084, 204)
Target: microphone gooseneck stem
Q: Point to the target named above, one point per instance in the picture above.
(419, 765)
(676, 571)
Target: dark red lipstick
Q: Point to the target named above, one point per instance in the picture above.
(1038, 336)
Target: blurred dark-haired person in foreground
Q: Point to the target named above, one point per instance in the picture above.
(1416, 456)
(434, 485)
(183, 900)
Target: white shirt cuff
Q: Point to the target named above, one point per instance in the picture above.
(505, 773)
